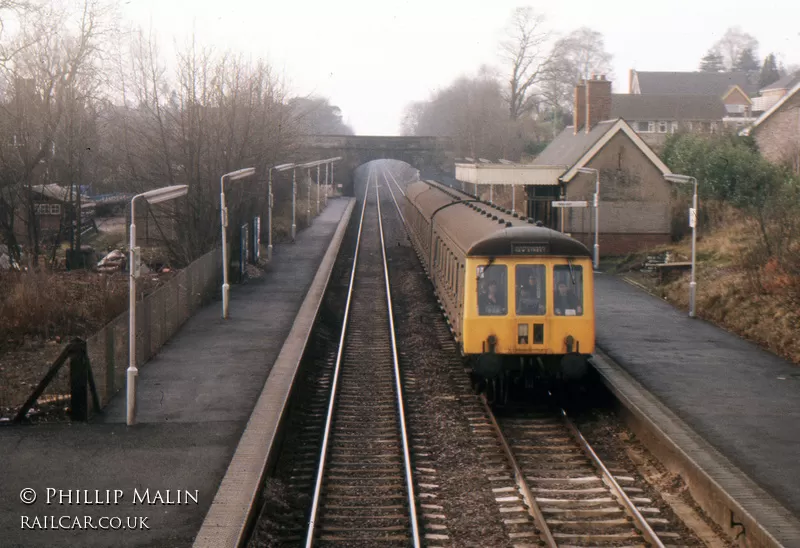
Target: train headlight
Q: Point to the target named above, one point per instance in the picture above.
(522, 333)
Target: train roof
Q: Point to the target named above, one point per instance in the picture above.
(524, 240)
(482, 229)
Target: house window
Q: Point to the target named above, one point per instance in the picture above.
(674, 127)
(48, 209)
(651, 127)
(662, 127)
(642, 127)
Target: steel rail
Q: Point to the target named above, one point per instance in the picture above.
(647, 531)
(519, 476)
(337, 368)
(389, 171)
(400, 408)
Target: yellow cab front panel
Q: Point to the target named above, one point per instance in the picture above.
(530, 305)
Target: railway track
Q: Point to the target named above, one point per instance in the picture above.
(364, 494)
(571, 495)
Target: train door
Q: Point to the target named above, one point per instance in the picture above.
(530, 305)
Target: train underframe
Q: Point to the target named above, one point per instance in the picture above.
(502, 376)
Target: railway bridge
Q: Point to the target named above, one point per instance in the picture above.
(430, 155)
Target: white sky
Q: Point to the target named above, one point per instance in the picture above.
(372, 57)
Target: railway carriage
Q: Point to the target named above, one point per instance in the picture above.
(518, 297)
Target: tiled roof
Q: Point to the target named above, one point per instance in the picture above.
(787, 82)
(568, 148)
(694, 83)
(667, 107)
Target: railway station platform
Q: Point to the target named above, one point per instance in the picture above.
(741, 399)
(195, 399)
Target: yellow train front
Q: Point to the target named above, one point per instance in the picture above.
(519, 297)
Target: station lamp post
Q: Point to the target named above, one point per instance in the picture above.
(329, 162)
(590, 170)
(223, 211)
(155, 196)
(675, 178)
(271, 205)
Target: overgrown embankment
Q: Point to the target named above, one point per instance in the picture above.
(748, 251)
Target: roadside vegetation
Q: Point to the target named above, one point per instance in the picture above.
(748, 251)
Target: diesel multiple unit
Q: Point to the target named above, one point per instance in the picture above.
(518, 297)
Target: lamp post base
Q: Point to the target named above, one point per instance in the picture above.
(294, 231)
(131, 401)
(596, 256)
(225, 294)
(269, 252)
(692, 294)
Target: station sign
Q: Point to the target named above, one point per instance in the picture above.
(580, 203)
(692, 217)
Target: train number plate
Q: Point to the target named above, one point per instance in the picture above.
(529, 249)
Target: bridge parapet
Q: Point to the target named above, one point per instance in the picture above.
(426, 153)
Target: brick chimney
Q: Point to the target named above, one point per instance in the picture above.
(598, 101)
(579, 107)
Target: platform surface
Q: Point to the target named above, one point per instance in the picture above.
(195, 397)
(740, 398)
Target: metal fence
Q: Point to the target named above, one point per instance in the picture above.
(158, 316)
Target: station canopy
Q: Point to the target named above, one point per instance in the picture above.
(509, 174)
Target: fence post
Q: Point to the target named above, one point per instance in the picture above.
(78, 383)
(110, 361)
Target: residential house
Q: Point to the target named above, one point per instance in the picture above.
(733, 108)
(777, 130)
(635, 200)
(654, 117)
(771, 94)
(53, 210)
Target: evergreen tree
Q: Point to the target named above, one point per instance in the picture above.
(712, 62)
(747, 62)
(769, 72)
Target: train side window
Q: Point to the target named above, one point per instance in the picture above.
(492, 294)
(568, 290)
(531, 290)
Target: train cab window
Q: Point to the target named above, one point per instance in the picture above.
(568, 290)
(531, 290)
(492, 294)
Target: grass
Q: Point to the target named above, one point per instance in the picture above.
(755, 301)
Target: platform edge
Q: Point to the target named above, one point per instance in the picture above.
(226, 521)
(682, 451)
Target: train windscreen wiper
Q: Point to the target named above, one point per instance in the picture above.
(571, 272)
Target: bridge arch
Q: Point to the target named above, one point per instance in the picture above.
(430, 155)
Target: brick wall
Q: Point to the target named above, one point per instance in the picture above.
(634, 197)
(778, 136)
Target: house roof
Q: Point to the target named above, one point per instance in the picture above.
(787, 82)
(694, 83)
(576, 150)
(633, 107)
(567, 148)
(769, 112)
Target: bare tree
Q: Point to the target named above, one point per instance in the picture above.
(733, 43)
(52, 79)
(585, 52)
(525, 52)
(573, 57)
(219, 113)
